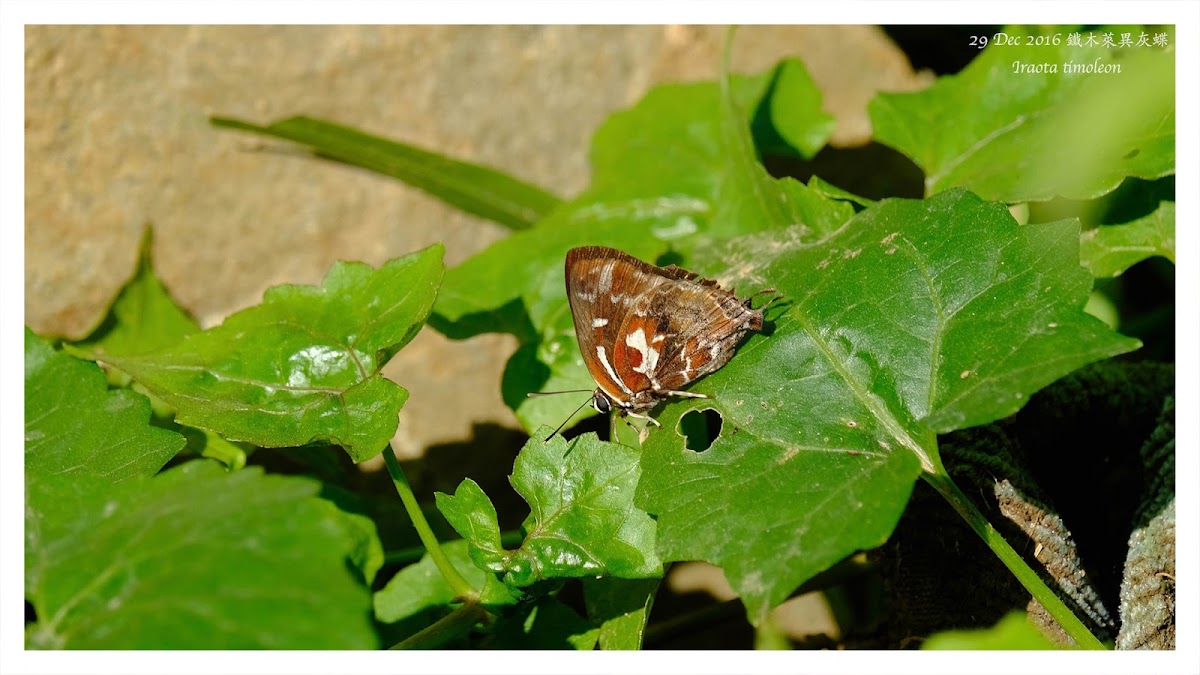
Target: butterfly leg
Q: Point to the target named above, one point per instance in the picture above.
(689, 394)
(645, 430)
(649, 420)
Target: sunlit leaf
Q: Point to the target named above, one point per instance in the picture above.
(195, 558)
(917, 318)
(303, 366)
(1017, 125)
(1109, 250)
(583, 521)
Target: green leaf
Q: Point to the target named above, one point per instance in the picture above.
(1014, 631)
(195, 558)
(143, 317)
(917, 318)
(583, 518)
(827, 189)
(474, 188)
(583, 521)
(663, 178)
(1109, 250)
(545, 624)
(1014, 136)
(472, 515)
(621, 607)
(420, 586)
(76, 426)
(365, 549)
(792, 105)
(303, 366)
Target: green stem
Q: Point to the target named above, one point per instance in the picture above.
(1028, 578)
(445, 629)
(459, 585)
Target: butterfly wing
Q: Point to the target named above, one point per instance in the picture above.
(602, 284)
(646, 331)
(680, 332)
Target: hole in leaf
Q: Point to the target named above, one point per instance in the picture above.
(700, 428)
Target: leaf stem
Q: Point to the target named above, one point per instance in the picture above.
(445, 629)
(458, 584)
(1028, 578)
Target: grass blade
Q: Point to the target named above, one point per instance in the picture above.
(476, 189)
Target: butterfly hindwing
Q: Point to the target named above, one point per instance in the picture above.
(646, 332)
(696, 334)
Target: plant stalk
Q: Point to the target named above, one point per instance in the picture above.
(461, 587)
(1014, 562)
(444, 629)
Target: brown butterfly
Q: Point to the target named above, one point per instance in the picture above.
(646, 332)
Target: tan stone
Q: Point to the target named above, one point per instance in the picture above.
(117, 135)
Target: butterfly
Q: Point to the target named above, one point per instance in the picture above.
(646, 332)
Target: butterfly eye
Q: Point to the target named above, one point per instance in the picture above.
(601, 403)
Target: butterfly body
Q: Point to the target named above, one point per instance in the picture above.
(646, 332)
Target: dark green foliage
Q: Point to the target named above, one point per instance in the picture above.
(906, 332)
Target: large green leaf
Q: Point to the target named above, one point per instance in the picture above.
(195, 558)
(1109, 250)
(473, 188)
(304, 365)
(76, 426)
(582, 521)
(1013, 135)
(664, 178)
(917, 318)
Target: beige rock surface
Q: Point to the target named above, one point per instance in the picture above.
(117, 136)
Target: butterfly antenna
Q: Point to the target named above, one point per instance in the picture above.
(769, 302)
(568, 417)
(552, 393)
